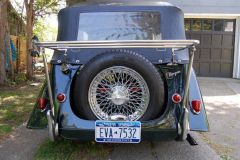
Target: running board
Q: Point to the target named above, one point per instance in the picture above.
(191, 141)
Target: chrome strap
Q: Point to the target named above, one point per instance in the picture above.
(48, 80)
(191, 54)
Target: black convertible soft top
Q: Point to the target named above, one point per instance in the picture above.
(79, 3)
(172, 28)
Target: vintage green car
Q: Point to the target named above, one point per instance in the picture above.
(121, 73)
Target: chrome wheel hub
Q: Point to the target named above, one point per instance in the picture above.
(119, 91)
(119, 95)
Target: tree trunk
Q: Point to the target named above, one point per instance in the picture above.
(30, 23)
(10, 53)
(3, 20)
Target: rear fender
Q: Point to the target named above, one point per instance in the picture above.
(197, 122)
(60, 83)
(38, 119)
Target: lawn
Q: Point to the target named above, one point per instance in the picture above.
(16, 104)
(68, 149)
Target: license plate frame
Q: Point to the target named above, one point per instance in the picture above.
(118, 131)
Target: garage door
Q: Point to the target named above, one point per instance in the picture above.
(214, 56)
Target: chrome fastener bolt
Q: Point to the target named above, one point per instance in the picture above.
(160, 61)
(59, 61)
(77, 61)
(179, 61)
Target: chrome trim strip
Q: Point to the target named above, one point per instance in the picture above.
(121, 41)
(188, 76)
(51, 129)
(185, 124)
(48, 80)
(61, 45)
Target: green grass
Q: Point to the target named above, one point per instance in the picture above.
(225, 156)
(220, 149)
(229, 149)
(16, 104)
(5, 129)
(68, 149)
(228, 139)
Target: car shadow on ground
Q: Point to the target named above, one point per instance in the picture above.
(165, 150)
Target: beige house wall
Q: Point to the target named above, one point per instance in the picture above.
(21, 49)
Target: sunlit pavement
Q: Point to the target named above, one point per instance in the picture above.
(222, 101)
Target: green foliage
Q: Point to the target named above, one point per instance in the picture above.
(9, 82)
(44, 11)
(44, 31)
(46, 7)
(20, 78)
(41, 56)
(197, 25)
(71, 2)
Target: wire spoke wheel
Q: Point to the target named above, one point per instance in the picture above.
(118, 90)
(118, 85)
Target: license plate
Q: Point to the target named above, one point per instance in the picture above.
(117, 132)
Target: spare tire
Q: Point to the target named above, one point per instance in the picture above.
(118, 83)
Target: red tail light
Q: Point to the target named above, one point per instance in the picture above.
(61, 97)
(176, 98)
(196, 106)
(42, 103)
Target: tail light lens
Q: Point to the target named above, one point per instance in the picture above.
(196, 106)
(176, 98)
(61, 97)
(42, 103)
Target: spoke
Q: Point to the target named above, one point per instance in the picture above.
(128, 81)
(103, 96)
(109, 79)
(135, 92)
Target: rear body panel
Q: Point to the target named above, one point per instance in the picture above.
(163, 128)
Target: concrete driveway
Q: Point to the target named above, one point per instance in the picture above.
(222, 101)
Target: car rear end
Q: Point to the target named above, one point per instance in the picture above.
(123, 82)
